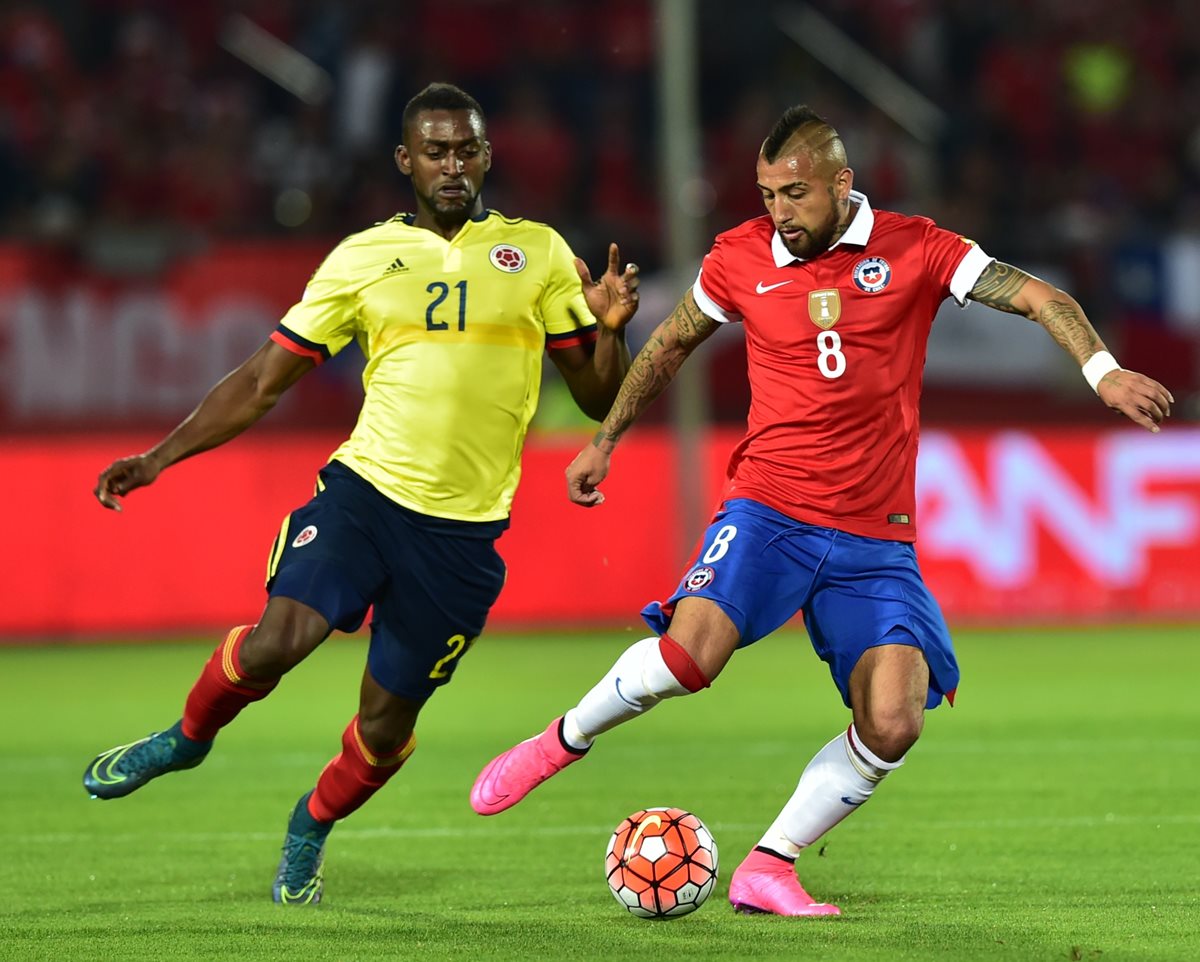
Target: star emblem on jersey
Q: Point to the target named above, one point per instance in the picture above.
(308, 534)
(505, 257)
(699, 578)
(761, 288)
(824, 308)
(872, 274)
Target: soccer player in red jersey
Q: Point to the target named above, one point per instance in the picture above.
(818, 514)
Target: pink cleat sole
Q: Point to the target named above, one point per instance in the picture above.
(509, 777)
(764, 884)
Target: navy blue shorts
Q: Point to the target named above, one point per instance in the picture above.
(856, 593)
(432, 581)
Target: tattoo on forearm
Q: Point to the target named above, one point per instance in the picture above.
(1070, 329)
(998, 285)
(655, 366)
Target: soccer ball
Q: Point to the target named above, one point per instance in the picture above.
(661, 863)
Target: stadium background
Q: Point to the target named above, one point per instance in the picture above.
(171, 173)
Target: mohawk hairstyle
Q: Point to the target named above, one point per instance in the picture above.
(439, 96)
(786, 126)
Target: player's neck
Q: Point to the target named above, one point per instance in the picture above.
(445, 227)
(847, 219)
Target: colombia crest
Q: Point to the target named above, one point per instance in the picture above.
(872, 274)
(507, 258)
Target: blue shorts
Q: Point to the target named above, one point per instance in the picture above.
(856, 593)
(432, 581)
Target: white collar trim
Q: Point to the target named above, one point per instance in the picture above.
(858, 233)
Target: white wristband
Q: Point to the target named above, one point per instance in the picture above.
(1097, 366)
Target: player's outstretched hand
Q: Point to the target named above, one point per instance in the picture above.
(613, 298)
(123, 476)
(584, 475)
(1141, 399)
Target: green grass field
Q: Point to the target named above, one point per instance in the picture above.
(1053, 815)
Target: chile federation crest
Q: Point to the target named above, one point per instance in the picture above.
(872, 274)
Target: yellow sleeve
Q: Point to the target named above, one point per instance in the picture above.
(326, 317)
(563, 308)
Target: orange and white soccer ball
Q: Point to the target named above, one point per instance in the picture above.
(661, 863)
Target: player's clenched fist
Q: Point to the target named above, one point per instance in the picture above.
(123, 476)
(584, 474)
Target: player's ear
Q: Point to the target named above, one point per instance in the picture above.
(842, 182)
(403, 160)
(487, 156)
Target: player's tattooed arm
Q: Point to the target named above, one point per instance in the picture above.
(998, 285)
(1010, 289)
(1006, 288)
(655, 366)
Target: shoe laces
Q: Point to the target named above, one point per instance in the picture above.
(302, 859)
(155, 752)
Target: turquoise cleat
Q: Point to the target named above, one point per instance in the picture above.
(300, 879)
(126, 768)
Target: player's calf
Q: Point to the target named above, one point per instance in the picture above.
(647, 672)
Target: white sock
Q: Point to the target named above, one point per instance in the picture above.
(637, 681)
(841, 776)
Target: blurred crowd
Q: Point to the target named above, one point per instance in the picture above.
(132, 130)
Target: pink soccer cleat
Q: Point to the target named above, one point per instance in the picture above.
(509, 777)
(766, 884)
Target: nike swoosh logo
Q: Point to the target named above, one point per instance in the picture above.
(849, 801)
(762, 288)
(102, 769)
(644, 824)
(621, 695)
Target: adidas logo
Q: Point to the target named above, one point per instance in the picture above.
(395, 267)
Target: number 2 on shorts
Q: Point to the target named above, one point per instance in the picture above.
(458, 645)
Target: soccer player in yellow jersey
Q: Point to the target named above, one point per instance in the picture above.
(452, 306)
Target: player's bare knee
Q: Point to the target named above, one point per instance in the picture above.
(386, 731)
(706, 633)
(890, 733)
(284, 637)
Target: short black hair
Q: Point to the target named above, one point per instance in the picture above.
(439, 96)
(791, 120)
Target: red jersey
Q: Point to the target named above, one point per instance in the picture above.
(836, 352)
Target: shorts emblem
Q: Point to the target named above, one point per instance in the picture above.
(305, 536)
(698, 578)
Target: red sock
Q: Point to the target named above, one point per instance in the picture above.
(222, 690)
(354, 775)
(681, 665)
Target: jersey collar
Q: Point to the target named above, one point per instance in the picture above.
(479, 218)
(858, 233)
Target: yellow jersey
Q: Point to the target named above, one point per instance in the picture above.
(453, 333)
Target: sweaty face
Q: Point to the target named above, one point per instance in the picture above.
(447, 158)
(806, 208)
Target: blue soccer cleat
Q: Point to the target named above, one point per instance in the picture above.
(299, 879)
(126, 768)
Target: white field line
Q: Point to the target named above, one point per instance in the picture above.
(931, 746)
(347, 833)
